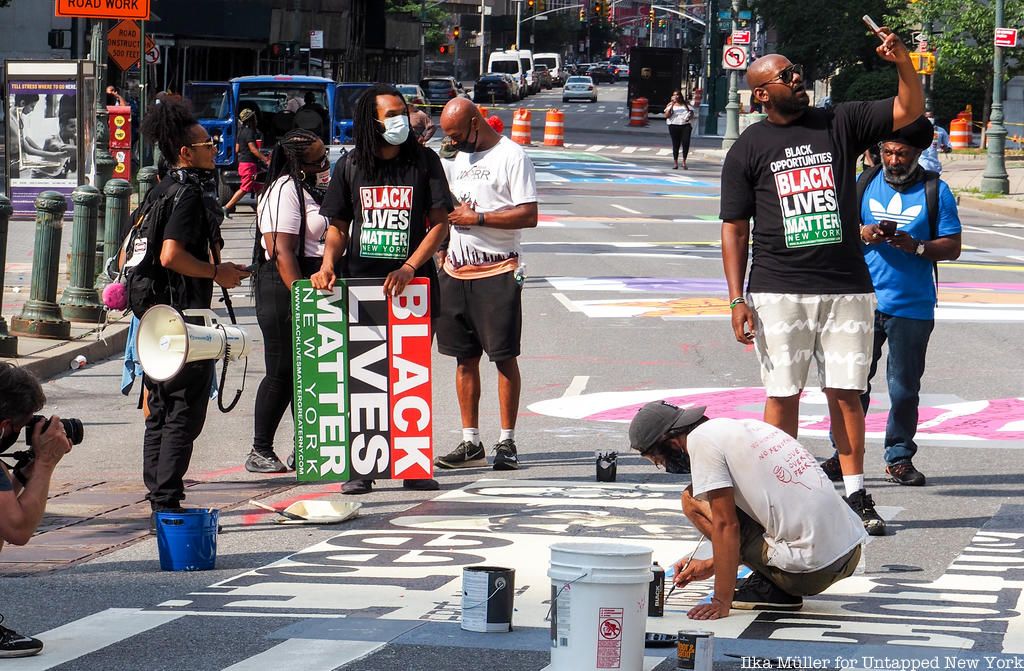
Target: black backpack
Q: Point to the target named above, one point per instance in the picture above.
(931, 201)
(146, 281)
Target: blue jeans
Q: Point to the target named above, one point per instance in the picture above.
(908, 345)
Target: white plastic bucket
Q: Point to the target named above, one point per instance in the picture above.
(598, 606)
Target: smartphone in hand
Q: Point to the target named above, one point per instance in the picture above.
(887, 228)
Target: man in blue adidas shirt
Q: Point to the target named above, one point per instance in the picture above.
(903, 241)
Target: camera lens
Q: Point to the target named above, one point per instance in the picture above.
(72, 427)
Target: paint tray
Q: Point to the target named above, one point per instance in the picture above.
(321, 512)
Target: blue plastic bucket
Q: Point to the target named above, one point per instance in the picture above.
(187, 541)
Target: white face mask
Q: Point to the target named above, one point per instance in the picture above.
(396, 129)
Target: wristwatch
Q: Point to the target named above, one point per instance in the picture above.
(920, 248)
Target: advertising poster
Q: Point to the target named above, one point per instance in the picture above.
(362, 393)
(48, 137)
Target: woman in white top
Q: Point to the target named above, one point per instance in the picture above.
(290, 247)
(679, 117)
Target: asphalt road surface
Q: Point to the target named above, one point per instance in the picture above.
(624, 303)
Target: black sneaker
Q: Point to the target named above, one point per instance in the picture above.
(264, 463)
(428, 485)
(759, 593)
(864, 506)
(832, 468)
(291, 461)
(357, 487)
(466, 455)
(904, 473)
(13, 644)
(505, 456)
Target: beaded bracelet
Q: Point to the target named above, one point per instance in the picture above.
(736, 301)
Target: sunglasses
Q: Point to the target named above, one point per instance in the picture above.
(321, 162)
(209, 144)
(786, 75)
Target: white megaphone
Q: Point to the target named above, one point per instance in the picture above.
(166, 342)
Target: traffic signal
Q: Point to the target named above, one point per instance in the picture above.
(55, 38)
(277, 50)
(529, 3)
(652, 13)
(456, 31)
(597, 9)
(583, 15)
(443, 49)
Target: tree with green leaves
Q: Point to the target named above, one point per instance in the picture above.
(823, 35)
(436, 19)
(961, 34)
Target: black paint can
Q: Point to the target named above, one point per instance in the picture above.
(656, 592)
(488, 593)
(606, 466)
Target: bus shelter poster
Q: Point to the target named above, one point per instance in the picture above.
(42, 140)
(362, 393)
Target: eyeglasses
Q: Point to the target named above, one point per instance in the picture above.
(893, 153)
(786, 74)
(209, 144)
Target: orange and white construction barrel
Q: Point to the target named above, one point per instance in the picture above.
(959, 134)
(638, 112)
(554, 128)
(521, 126)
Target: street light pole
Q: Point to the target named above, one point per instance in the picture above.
(519, 21)
(483, 65)
(995, 179)
(732, 107)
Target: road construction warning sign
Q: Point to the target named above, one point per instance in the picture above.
(734, 58)
(123, 44)
(103, 9)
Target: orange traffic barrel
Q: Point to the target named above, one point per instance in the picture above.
(638, 112)
(521, 126)
(554, 128)
(959, 134)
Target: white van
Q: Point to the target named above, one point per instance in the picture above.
(554, 64)
(526, 58)
(508, 63)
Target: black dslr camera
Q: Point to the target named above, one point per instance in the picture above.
(72, 427)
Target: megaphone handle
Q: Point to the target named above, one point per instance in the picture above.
(223, 379)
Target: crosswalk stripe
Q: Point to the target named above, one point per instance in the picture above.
(92, 633)
(301, 654)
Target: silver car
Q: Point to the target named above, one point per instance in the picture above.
(579, 88)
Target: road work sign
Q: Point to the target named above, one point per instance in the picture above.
(104, 9)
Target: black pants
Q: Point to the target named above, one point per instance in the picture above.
(680, 137)
(273, 313)
(177, 413)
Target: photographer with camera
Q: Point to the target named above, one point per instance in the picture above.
(23, 490)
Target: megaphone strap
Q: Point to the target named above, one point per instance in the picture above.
(224, 373)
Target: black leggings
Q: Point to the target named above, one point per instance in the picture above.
(680, 136)
(273, 313)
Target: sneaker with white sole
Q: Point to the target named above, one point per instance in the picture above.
(13, 644)
(864, 506)
(264, 463)
(759, 593)
(505, 456)
(466, 455)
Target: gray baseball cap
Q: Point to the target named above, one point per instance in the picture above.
(656, 419)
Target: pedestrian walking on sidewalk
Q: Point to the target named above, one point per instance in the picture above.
(810, 294)
(389, 179)
(929, 159)
(247, 148)
(679, 117)
(187, 250)
(910, 222)
(289, 247)
(761, 499)
(482, 276)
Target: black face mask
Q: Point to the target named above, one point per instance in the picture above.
(467, 146)
(676, 462)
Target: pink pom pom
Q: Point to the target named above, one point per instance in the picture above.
(115, 296)
(496, 123)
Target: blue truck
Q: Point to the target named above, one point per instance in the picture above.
(281, 103)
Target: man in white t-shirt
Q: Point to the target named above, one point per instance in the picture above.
(481, 280)
(761, 498)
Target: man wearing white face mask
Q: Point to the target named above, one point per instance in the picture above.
(388, 202)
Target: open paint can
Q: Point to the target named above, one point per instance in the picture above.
(695, 650)
(488, 593)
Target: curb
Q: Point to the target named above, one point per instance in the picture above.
(1004, 206)
(58, 360)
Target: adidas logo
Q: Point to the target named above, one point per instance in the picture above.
(894, 211)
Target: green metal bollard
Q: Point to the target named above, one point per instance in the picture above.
(117, 192)
(147, 180)
(41, 316)
(80, 301)
(8, 343)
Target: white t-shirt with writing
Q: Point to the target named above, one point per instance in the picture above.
(779, 485)
(278, 211)
(497, 179)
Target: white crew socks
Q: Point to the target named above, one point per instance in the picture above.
(853, 483)
(471, 435)
(507, 434)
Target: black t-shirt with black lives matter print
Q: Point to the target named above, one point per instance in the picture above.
(388, 215)
(798, 184)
